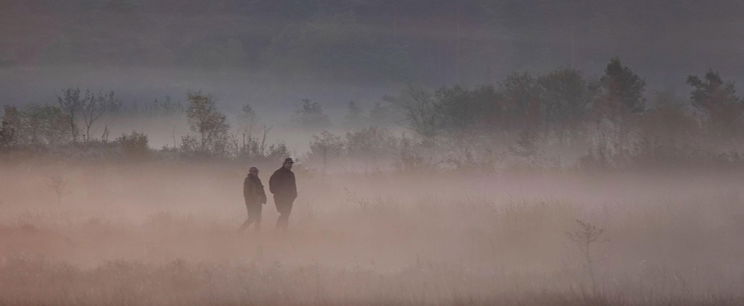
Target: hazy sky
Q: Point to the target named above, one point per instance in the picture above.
(276, 52)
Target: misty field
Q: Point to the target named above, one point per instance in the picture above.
(165, 233)
(469, 152)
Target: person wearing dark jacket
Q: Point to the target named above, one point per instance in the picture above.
(255, 197)
(282, 185)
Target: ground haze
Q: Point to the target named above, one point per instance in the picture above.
(166, 233)
(447, 152)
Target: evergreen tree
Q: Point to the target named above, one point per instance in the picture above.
(718, 100)
(622, 90)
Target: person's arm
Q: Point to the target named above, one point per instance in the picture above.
(246, 189)
(261, 193)
(272, 183)
(293, 186)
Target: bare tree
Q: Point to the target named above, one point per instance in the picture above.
(419, 108)
(105, 134)
(93, 107)
(71, 102)
(584, 237)
(59, 186)
(249, 118)
(206, 120)
(266, 130)
(324, 147)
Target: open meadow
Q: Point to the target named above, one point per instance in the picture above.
(165, 233)
(468, 152)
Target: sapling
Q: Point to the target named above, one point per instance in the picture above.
(584, 237)
(59, 185)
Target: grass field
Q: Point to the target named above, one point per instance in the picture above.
(165, 233)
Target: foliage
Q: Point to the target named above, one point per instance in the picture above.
(462, 111)
(554, 118)
(94, 107)
(133, 145)
(370, 145)
(276, 152)
(210, 124)
(565, 98)
(666, 130)
(419, 108)
(46, 125)
(248, 118)
(85, 106)
(718, 100)
(35, 125)
(310, 115)
(411, 156)
(71, 102)
(159, 107)
(325, 147)
(558, 100)
(521, 101)
(621, 91)
(9, 128)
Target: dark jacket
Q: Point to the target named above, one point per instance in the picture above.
(282, 184)
(253, 190)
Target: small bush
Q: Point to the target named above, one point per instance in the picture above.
(133, 145)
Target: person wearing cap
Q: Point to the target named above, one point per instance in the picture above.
(255, 198)
(282, 185)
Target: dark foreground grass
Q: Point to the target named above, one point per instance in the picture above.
(34, 282)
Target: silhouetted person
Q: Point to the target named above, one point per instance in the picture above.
(282, 185)
(255, 198)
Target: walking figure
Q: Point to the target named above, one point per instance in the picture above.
(282, 185)
(255, 198)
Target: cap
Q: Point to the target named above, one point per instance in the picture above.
(288, 160)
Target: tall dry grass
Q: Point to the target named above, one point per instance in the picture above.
(166, 234)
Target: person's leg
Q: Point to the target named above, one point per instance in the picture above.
(281, 223)
(288, 208)
(281, 207)
(245, 224)
(249, 220)
(285, 209)
(254, 216)
(258, 217)
(278, 203)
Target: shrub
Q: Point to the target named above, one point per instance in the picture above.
(133, 145)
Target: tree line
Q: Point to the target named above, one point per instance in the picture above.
(609, 118)
(609, 121)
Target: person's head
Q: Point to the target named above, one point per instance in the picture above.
(288, 163)
(253, 171)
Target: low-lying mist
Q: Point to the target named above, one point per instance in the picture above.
(505, 152)
(167, 233)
